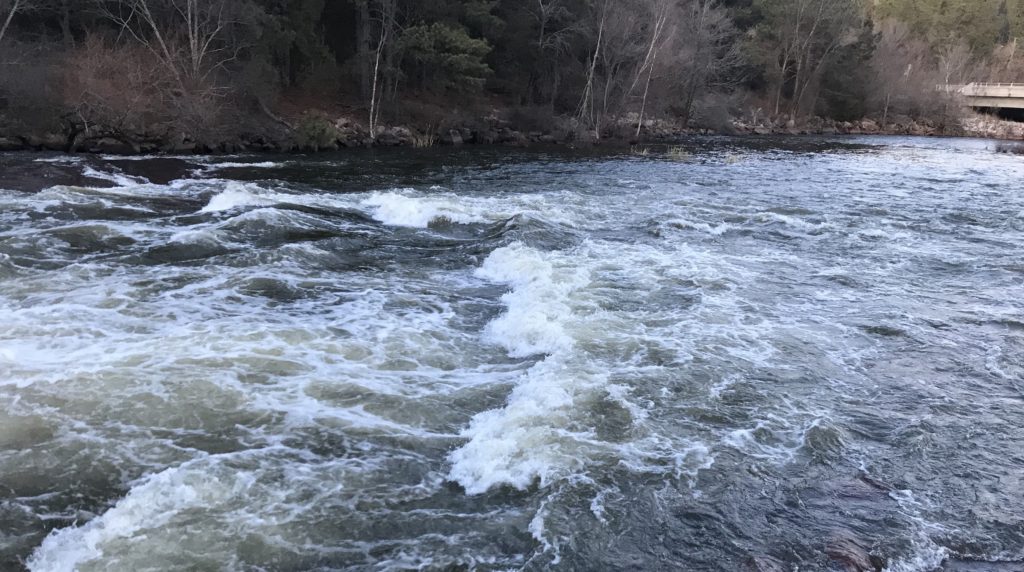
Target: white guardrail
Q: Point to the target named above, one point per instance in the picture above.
(994, 90)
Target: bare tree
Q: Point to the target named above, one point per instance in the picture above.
(798, 37)
(904, 73)
(10, 8)
(555, 27)
(386, 19)
(954, 61)
(707, 52)
(186, 36)
(586, 110)
(659, 16)
(1006, 63)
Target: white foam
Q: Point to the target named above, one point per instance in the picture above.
(235, 196)
(528, 439)
(537, 305)
(150, 504)
(404, 209)
(118, 179)
(517, 444)
(238, 165)
(538, 530)
(794, 222)
(67, 159)
(716, 230)
(926, 557)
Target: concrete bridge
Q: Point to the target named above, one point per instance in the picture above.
(991, 95)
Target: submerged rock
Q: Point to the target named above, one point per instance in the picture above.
(850, 553)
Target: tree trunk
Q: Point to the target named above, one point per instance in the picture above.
(363, 48)
(374, 99)
(10, 16)
(587, 101)
(65, 24)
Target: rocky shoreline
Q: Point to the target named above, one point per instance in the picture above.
(331, 135)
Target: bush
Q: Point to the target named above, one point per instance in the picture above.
(713, 112)
(122, 90)
(316, 132)
(538, 118)
(30, 95)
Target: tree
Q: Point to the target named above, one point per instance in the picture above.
(445, 57)
(8, 10)
(708, 54)
(797, 38)
(186, 36)
(388, 29)
(955, 61)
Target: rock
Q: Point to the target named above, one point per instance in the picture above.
(111, 146)
(506, 135)
(868, 126)
(452, 137)
(11, 144)
(849, 553)
(403, 135)
(48, 142)
(762, 131)
(762, 563)
(487, 136)
(179, 147)
(350, 140)
(387, 137)
(902, 120)
(518, 140)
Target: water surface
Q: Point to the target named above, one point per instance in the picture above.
(757, 354)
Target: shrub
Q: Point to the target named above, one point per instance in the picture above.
(315, 132)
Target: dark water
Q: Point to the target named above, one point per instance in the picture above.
(781, 355)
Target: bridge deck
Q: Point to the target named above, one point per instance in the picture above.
(994, 95)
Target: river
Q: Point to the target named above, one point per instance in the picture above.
(738, 354)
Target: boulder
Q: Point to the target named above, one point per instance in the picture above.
(11, 144)
(179, 147)
(902, 120)
(404, 136)
(849, 553)
(764, 563)
(111, 146)
(387, 138)
(48, 142)
(486, 136)
(868, 126)
(452, 137)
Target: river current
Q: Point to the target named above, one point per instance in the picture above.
(770, 355)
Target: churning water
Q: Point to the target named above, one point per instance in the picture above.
(792, 355)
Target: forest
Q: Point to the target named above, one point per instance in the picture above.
(184, 72)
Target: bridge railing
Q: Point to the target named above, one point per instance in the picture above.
(983, 89)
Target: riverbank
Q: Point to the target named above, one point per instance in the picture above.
(314, 132)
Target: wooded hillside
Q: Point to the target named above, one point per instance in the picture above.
(207, 69)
